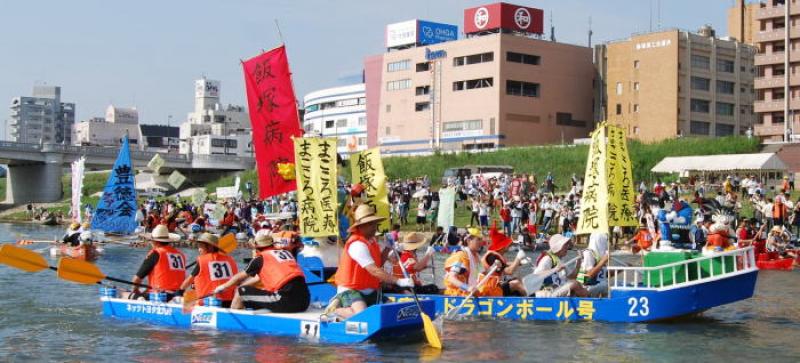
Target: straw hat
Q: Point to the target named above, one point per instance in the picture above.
(364, 214)
(161, 234)
(557, 242)
(413, 240)
(263, 239)
(209, 239)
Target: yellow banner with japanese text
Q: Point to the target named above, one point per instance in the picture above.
(621, 193)
(367, 169)
(594, 200)
(315, 172)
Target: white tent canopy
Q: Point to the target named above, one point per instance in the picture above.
(727, 162)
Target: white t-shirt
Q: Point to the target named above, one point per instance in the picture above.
(588, 264)
(359, 252)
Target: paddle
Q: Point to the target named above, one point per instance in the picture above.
(430, 330)
(450, 314)
(534, 281)
(23, 258)
(83, 272)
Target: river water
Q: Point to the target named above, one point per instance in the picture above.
(45, 319)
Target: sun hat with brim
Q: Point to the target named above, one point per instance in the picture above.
(161, 234)
(209, 239)
(364, 215)
(557, 242)
(263, 240)
(412, 241)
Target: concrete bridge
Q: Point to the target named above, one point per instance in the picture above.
(35, 170)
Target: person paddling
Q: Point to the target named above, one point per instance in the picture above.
(213, 269)
(284, 284)
(361, 267)
(461, 268)
(413, 264)
(593, 273)
(558, 284)
(501, 283)
(164, 267)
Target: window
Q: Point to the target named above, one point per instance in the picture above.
(724, 65)
(723, 130)
(619, 109)
(462, 125)
(701, 106)
(231, 144)
(565, 119)
(308, 127)
(473, 83)
(219, 119)
(422, 106)
(388, 108)
(329, 124)
(724, 109)
(362, 101)
(635, 86)
(422, 67)
(523, 58)
(473, 59)
(362, 141)
(636, 64)
(422, 90)
(342, 122)
(635, 107)
(362, 121)
(725, 87)
(347, 102)
(518, 88)
(398, 66)
(341, 142)
(388, 130)
(701, 62)
(398, 85)
(702, 84)
(312, 108)
(699, 128)
(619, 88)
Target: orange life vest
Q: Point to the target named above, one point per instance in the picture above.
(215, 269)
(492, 285)
(778, 210)
(350, 274)
(461, 259)
(279, 268)
(169, 272)
(404, 257)
(719, 239)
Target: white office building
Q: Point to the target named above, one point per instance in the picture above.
(213, 128)
(339, 112)
(42, 118)
(109, 131)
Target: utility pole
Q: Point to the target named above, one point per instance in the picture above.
(787, 130)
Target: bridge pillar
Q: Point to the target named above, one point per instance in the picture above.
(37, 183)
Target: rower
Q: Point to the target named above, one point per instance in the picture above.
(213, 268)
(72, 235)
(164, 267)
(361, 267)
(408, 257)
(284, 284)
(461, 268)
(593, 274)
(501, 283)
(558, 284)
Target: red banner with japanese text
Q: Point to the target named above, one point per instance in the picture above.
(273, 116)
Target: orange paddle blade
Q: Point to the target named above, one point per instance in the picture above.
(189, 300)
(228, 243)
(79, 271)
(22, 258)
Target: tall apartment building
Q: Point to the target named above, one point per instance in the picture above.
(109, 131)
(674, 83)
(213, 128)
(778, 62)
(339, 112)
(501, 86)
(742, 24)
(42, 118)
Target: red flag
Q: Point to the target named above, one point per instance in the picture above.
(273, 116)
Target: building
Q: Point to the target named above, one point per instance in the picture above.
(339, 112)
(215, 129)
(109, 131)
(673, 83)
(777, 61)
(742, 24)
(160, 138)
(42, 118)
(500, 86)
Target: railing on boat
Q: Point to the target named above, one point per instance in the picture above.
(683, 273)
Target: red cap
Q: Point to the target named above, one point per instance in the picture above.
(356, 189)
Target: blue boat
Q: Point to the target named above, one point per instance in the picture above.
(636, 294)
(376, 323)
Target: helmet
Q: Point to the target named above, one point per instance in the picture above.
(86, 237)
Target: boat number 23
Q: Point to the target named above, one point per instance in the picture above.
(638, 307)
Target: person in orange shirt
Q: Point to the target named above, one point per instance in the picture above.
(643, 239)
(413, 264)
(495, 284)
(213, 269)
(462, 267)
(164, 267)
(284, 284)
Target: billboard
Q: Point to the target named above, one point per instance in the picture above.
(432, 33)
(420, 32)
(206, 88)
(503, 16)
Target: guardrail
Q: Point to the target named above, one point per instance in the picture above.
(682, 273)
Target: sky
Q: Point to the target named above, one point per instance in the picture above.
(147, 53)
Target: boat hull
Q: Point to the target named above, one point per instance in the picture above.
(376, 323)
(86, 253)
(623, 306)
(772, 261)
